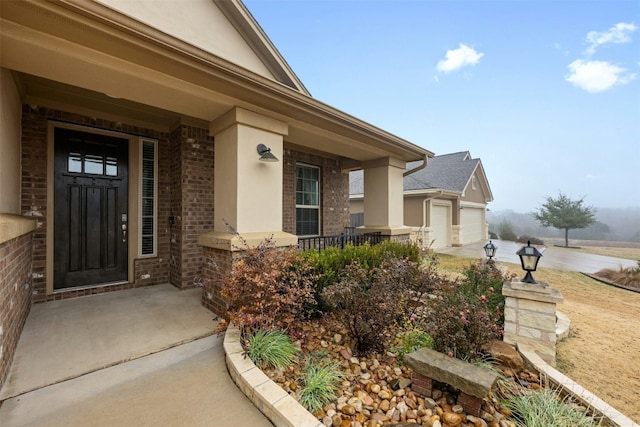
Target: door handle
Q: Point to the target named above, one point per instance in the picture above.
(124, 233)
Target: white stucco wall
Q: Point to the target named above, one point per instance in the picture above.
(197, 22)
(10, 134)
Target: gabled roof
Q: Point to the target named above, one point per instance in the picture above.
(108, 59)
(448, 172)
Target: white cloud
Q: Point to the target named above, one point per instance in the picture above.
(619, 33)
(591, 177)
(597, 76)
(458, 58)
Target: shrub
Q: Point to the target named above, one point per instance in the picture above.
(625, 276)
(370, 301)
(268, 287)
(271, 348)
(459, 325)
(526, 238)
(320, 385)
(410, 339)
(483, 280)
(329, 265)
(469, 312)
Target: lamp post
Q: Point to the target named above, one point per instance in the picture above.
(490, 250)
(529, 257)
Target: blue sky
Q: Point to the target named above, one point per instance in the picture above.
(546, 93)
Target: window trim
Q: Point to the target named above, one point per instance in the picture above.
(141, 235)
(318, 206)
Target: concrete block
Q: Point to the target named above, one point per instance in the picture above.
(526, 332)
(464, 376)
(537, 306)
(536, 320)
(293, 414)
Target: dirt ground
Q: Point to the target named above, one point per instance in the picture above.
(602, 352)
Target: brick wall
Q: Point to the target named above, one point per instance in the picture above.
(192, 204)
(334, 192)
(15, 296)
(34, 189)
(34, 195)
(217, 262)
(175, 185)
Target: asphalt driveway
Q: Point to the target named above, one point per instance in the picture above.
(552, 257)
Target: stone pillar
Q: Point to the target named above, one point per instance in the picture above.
(530, 316)
(247, 194)
(384, 198)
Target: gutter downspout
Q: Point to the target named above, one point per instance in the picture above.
(424, 213)
(417, 168)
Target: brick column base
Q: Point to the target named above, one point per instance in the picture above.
(470, 404)
(424, 386)
(421, 384)
(216, 263)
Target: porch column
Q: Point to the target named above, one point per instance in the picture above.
(456, 227)
(384, 198)
(247, 195)
(247, 191)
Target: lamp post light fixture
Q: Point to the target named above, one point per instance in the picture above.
(529, 257)
(490, 250)
(265, 154)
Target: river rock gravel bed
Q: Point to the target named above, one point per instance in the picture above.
(376, 389)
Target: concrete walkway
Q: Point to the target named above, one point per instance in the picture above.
(139, 357)
(552, 257)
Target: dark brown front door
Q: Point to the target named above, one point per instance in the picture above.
(91, 215)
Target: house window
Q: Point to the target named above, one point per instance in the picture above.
(148, 197)
(307, 200)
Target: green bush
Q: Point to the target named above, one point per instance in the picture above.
(410, 339)
(329, 265)
(271, 348)
(320, 385)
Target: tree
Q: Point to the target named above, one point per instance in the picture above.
(505, 231)
(565, 214)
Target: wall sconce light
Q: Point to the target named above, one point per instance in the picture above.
(529, 257)
(490, 249)
(265, 154)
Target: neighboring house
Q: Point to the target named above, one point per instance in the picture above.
(129, 141)
(445, 203)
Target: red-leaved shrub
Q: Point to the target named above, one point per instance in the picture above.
(268, 287)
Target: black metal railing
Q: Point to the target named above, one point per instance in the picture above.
(339, 241)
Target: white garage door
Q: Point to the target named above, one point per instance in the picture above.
(472, 223)
(440, 224)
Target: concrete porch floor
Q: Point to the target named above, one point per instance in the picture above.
(139, 357)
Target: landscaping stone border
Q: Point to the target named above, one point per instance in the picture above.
(275, 403)
(610, 415)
